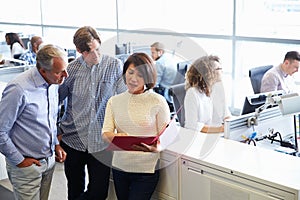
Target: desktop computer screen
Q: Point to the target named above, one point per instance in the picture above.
(251, 103)
(255, 101)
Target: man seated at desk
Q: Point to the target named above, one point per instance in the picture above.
(30, 55)
(166, 70)
(280, 77)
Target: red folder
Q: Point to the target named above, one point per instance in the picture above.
(120, 143)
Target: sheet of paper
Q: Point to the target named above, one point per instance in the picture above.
(170, 135)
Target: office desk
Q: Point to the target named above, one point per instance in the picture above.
(9, 73)
(212, 167)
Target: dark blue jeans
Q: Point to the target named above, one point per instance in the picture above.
(98, 166)
(134, 186)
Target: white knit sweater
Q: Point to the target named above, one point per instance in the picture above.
(139, 115)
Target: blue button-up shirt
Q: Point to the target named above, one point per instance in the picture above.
(28, 115)
(166, 70)
(87, 90)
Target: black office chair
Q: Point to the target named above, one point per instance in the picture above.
(177, 93)
(256, 74)
(15, 63)
(181, 70)
(17, 56)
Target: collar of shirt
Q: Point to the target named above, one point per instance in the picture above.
(282, 72)
(82, 61)
(38, 79)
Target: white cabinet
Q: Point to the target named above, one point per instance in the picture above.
(167, 187)
(228, 170)
(203, 182)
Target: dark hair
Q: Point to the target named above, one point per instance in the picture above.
(292, 55)
(145, 66)
(13, 38)
(84, 36)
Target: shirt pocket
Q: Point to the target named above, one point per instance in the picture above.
(106, 88)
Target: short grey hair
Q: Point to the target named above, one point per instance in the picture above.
(158, 46)
(44, 57)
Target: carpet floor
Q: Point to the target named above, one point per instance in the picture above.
(6, 194)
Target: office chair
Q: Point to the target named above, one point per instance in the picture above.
(177, 93)
(121, 49)
(122, 57)
(15, 62)
(181, 70)
(17, 56)
(256, 74)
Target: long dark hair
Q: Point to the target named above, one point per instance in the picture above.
(13, 38)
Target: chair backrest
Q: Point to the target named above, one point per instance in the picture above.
(121, 49)
(256, 74)
(17, 56)
(122, 57)
(181, 70)
(178, 93)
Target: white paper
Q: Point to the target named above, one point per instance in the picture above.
(170, 135)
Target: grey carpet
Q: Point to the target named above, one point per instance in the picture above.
(6, 194)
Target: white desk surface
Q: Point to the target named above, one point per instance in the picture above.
(243, 159)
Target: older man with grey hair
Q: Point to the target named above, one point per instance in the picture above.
(28, 131)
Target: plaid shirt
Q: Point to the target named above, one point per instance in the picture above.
(87, 90)
(29, 56)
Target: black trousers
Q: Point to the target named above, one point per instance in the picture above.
(98, 168)
(134, 186)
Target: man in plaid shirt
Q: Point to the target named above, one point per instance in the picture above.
(30, 55)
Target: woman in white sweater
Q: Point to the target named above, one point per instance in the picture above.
(137, 112)
(204, 103)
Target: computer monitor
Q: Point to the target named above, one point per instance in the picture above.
(255, 101)
(26, 42)
(121, 49)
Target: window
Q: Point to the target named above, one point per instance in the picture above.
(261, 32)
(18, 11)
(268, 18)
(97, 13)
(188, 16)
